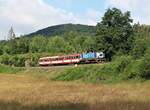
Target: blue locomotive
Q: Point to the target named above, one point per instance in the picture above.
(92, 57)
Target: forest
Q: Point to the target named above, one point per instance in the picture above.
(125, 43)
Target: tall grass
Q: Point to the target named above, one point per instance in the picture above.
(89, 73)
(8, 69)
(22, 92)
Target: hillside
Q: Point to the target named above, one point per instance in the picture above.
(61, 29)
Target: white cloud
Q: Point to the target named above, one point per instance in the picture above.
(94, 14)
(30, 15)
(139, 8)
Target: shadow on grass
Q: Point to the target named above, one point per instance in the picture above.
(19, 106)
(110, 105)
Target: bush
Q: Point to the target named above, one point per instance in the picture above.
(145, 66)
(4, 59)
(19, 60)
(140, 48)
(132, 70)
(138, 68)
(121, 63)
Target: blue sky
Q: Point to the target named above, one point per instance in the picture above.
(27, 16)
(78, 6)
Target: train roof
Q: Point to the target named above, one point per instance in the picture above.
(49, 57)
(58, 56)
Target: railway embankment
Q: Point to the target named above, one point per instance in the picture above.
(123, 68)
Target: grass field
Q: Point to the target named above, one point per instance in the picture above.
(24, 91)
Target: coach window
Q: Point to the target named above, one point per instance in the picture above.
(67, 57)
(64, 58)
(60, 58)
(70, 57)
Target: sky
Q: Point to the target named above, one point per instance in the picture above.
(26, 16)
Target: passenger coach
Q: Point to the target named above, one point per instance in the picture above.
(91, 57)
(60, 60)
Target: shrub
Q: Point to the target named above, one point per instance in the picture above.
(132, 70)
(19, 60)
(145, 66)
(121, 63)
(138, 68)
(4, 59)
(140, 48)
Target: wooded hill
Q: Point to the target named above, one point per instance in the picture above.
(60, 30)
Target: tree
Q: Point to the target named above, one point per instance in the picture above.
(114, 32)
(38, 44)
(88, 44)
(11, 34)
(11, 47)
(57, 45)
(22, 45)
(1, 51)
(75, 41)
(140, 47)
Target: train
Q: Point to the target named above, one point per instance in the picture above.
(84, 58)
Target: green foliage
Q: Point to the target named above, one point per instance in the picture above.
(4, 59)
(7, 69)
(145, 66)
(122, 62)
(139, 48)
(57, 45)
(15, 60)
(89, 73)
(141, 41)
(132, 70)
(60, 30)
(38, 44)
(1, 50)
(11, 47)
(122, 68)
(22, 46)
(19, 60)
(114, 32)
(72, 42)
(72, 74)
